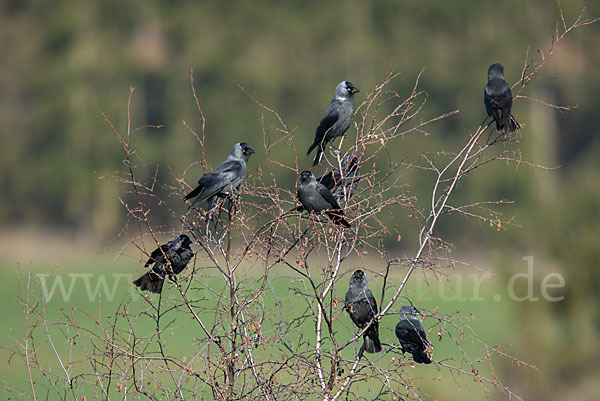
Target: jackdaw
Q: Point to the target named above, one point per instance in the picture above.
(336, 120)
(315, 197)
(411, 335)
(178, 254)
(498, 100)
(361, 305)
(343, 184)
(224, 179)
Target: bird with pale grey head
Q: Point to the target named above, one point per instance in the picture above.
(315, 197)
(224, 179)
(336, 120)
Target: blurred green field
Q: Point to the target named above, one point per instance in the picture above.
(493, 321)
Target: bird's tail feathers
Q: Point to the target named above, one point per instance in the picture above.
(507, 124)
(195, 192)
(512, 124)
(318, 156)
(337, 217)
(421, 357)
(311, 147)
(150, 282)
(372, 343)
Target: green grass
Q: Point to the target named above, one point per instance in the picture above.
(491, 320)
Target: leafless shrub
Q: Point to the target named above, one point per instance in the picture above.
(252, 341)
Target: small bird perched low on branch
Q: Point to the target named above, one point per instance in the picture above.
(411, 334)
(224, 179)
(343, 184)
(169, 259)
(336, 120)
(315, 197)
(361, 306)
(498, 100)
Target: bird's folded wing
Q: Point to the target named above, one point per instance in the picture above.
(328, 196)
(423, 336)
(157, 255)
(372, 301)
(225, 173)
(185, 254)
(331, 179)
(409, 333)
(213, 182)
(174, 259)
(327, 122)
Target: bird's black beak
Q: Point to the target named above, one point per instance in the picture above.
(250, 151)
(355, 90)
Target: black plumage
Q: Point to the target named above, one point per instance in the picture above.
(169, 259)
(315, 197)
(361, 307)
(336, 120)
(411, 334)
(343, 184)
(498, 100)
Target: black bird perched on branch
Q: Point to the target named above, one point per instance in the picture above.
(498, 100)
(336, 120)
(224, 179)
(178, 254)
(411, 335)
(343, 184)
(315, 197)
(361, 307)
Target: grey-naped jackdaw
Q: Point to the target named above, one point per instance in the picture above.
(498, 100)
(361, 306)
(178, 254)
(224, 179)
(315, 197)
(336, 120)
(411, 334)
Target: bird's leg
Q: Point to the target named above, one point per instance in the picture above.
(484, 120)
(498, 137)
(197, 229)
(218, 220)
(336, 151)
(210, 214)
(487, 142)
(216, 213)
